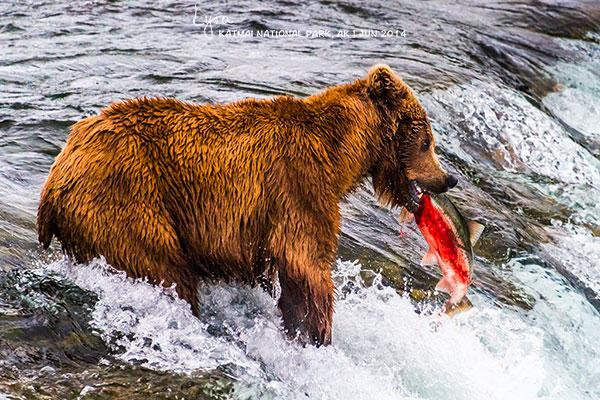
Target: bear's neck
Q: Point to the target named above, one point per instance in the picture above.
(350, 126)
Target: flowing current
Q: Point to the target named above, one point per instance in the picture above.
(513, 92)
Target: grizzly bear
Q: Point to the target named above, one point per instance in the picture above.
(248, 191)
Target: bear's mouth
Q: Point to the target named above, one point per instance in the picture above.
(415, 192)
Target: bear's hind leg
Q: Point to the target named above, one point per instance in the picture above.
(187, 282)
(164, 272)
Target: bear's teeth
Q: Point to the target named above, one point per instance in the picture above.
(416, 188)
(414, 191)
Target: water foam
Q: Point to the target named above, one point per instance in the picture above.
(511, 132)
(382, 348)
(579, 253)
(571, 325)
(577, 98)
(578, 101)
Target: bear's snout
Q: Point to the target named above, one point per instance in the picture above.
(438, 186)
(451, 181)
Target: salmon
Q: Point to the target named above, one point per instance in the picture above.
(451, 239)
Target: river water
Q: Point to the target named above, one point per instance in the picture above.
(513, 91)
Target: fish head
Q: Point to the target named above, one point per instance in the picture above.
(452, 309)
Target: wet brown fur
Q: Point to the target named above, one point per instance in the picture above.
(179, 192)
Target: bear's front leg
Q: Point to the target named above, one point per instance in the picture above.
(306, 303)
(303, 248)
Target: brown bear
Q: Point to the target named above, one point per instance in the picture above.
(249, 191)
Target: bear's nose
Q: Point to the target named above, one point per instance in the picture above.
(451, 181)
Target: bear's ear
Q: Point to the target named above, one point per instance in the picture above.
(382, 81)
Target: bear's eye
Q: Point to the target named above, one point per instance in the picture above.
(426, 144)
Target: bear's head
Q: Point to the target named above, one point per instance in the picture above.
(406, 162)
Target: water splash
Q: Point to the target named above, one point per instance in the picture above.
(382, 348)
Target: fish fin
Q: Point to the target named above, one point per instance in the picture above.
(475, 231)
(444, 285)
(405, 216)
(457, 295)
(430, 258)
